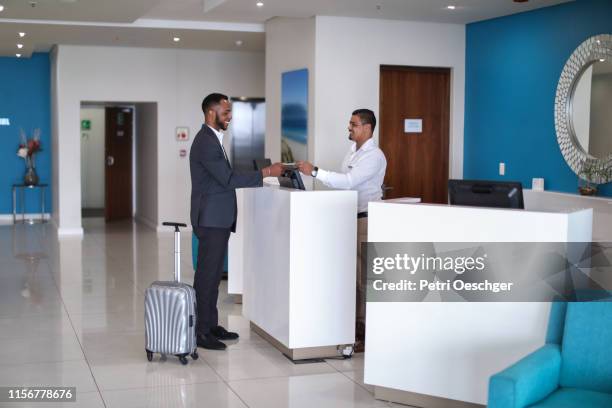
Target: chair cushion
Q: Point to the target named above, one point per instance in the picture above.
(574, 398)
(586, 352)
(194, 253)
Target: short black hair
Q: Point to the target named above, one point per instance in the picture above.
(367, 117)
(212, 100)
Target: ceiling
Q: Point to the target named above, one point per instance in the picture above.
(77, 10)
(41, 37)
(466, 11)
(209, 24)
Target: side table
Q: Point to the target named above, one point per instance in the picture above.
(21, 187)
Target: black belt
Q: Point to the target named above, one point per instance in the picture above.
(362, 214)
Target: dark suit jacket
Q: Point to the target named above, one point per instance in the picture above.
(214, 183)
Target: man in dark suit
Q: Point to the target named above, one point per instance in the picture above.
(213, 213)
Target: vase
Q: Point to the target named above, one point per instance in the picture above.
(30, 178)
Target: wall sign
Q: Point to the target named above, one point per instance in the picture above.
(86, 124)
(182, 133)
(413, 125)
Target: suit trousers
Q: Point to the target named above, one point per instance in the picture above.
(211, 254)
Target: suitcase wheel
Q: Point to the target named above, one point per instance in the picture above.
(149, 355)
(183, 360)
(195, 355)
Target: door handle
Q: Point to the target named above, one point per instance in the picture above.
(110, 160)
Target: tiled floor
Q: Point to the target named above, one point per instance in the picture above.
(71, 314)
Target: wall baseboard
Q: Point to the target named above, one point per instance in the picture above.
(66, 233)
(145, 221)
(8, 218)
(69, 232)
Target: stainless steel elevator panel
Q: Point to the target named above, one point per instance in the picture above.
(248, 133)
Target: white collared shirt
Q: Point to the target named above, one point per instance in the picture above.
(362, 170)
(218, 133)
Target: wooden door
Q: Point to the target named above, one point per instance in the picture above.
(118, 174)
(417, 162)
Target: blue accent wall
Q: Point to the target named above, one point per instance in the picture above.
(513, 65)
(25, 99)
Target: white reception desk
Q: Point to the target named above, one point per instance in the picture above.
(554, 201)
(298, 265)
(416, 351)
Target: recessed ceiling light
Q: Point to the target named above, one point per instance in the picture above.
(259, 4)
(20, 46)
(176, 39)
(451, 7)
(18, 55)
(1, 8)
(21, 35)
(602, 60)
(239, 43)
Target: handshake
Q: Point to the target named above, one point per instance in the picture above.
(274, 170)
(277, 169)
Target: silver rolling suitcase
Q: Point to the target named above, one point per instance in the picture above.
(170, 312)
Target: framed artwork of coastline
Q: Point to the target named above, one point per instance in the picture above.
(294, 116)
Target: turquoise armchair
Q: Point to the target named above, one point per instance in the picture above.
(194, 253)
(572, 370)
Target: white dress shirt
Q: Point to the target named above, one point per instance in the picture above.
(219, 135)
(362, 170)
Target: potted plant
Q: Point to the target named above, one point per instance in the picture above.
(28, 147)
(591, 174)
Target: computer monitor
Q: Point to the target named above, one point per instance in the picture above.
(259, 164)
(291, 179)
(483, 193)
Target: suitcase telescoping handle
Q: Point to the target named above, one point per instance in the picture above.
(177, 248)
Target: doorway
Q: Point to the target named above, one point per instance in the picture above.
(414, 131)
(107, 166)
(92, 160)
(118, 169)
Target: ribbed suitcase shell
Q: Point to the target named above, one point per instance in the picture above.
(170, 318)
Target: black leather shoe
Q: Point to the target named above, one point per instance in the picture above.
(210, 342)
(222, 334)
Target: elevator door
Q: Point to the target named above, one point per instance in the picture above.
(248, 132)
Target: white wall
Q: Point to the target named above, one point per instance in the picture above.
(146, 163)
(55, 164)
(290, 45)
(344, 56)
(92, 158)
(349, 53)
(177, 80)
